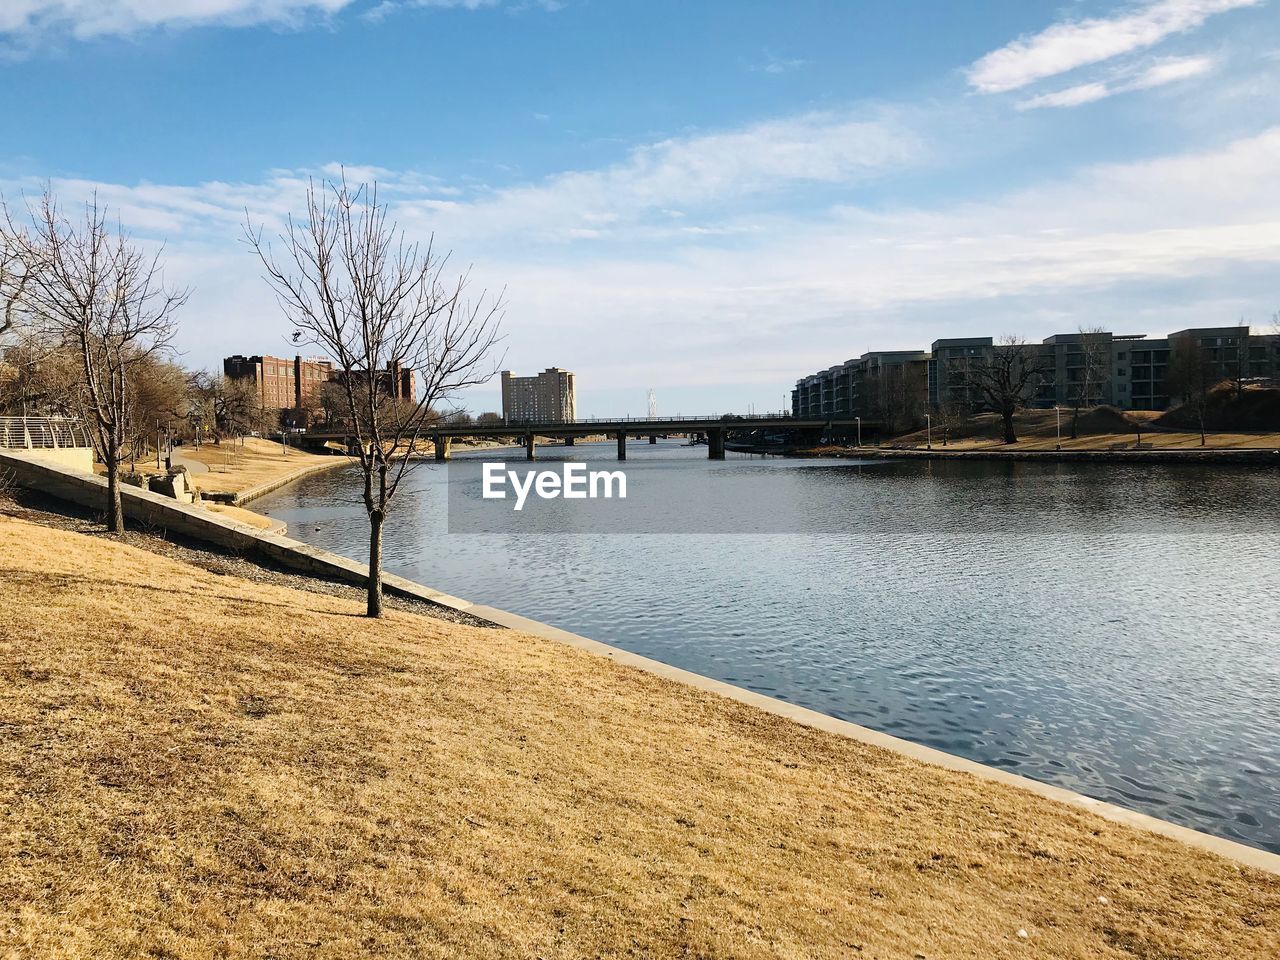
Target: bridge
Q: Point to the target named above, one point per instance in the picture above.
(713, 429)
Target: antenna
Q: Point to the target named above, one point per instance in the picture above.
(653, 405)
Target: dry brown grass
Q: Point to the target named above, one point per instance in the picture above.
(241, 514)
(1038, 430)
(234, 468)
(198, 766)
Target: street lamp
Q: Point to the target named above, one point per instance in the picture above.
(859, 419)
(1058, 410)
(928, 435)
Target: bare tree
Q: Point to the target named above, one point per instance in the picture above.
(1192, 376)
(227, 405)
(949, 415)
(1239, 367)
(1095, 368)
(1007, 378)
(97, 293)
(380, 306)
(14, 277)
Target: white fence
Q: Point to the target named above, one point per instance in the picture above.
(43, 433)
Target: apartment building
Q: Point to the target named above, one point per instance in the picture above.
(1132, 371)
(547, 397)
(281, 384)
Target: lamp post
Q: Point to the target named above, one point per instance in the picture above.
(1058, 410)
(859, 421)
(928, 435)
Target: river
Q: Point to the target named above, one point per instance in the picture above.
(1111, 629)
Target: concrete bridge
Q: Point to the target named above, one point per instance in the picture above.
(712, 429)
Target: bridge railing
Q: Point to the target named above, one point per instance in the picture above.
(591, 421)
(42, 433)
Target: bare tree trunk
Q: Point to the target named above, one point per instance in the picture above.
(374, 607)
(115, 514)
(1009, 435)
(1075, 420)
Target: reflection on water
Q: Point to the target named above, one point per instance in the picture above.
(1112, 630)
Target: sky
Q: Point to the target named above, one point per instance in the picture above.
(707, 199)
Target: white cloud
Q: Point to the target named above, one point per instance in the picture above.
(92, 18)
(24, 21)
(1077, 43)
(1070, 97)
(780, 65)
(654, 180)
(680, 266)
(1157, 74)
(1172, 70)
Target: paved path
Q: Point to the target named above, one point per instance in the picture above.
(193, 466)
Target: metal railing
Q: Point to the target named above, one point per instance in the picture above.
(42, 433)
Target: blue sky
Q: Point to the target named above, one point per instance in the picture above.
(709, 199)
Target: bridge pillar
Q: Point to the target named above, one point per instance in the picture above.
(442, 448)
(653, 438)
(529, 448)
(622, 445)
(568, 441)
(715, 443)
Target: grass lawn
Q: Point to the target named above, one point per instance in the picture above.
(234, 467)
(1099, 430)
(194, 765)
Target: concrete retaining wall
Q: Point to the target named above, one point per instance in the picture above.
(75, 459)
(164, 513)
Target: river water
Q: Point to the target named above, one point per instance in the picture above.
(1111, 629)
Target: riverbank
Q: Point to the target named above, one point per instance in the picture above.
(239, 472)
(1256, 457)
(249, 768)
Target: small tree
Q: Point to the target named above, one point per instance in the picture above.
(949, 415)
(1239, 367)
(98, 294)
(378, 305)
(1192, 377)
(1095, 369)
(1007, 378)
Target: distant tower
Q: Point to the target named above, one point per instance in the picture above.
(653, 405)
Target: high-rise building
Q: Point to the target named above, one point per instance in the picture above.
(547, 397)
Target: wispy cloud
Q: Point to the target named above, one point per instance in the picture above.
(658, 181)
(23, 23)
(92, 18)
(761, 287)
(1157, 74)
(1077, 43)
(780, 65)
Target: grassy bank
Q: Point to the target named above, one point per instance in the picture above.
(1102, 429)
(199, 765)
(242, 465)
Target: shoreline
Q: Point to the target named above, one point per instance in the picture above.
(1250, 456)
(200, 525)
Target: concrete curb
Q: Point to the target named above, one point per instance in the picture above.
(193, 522)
